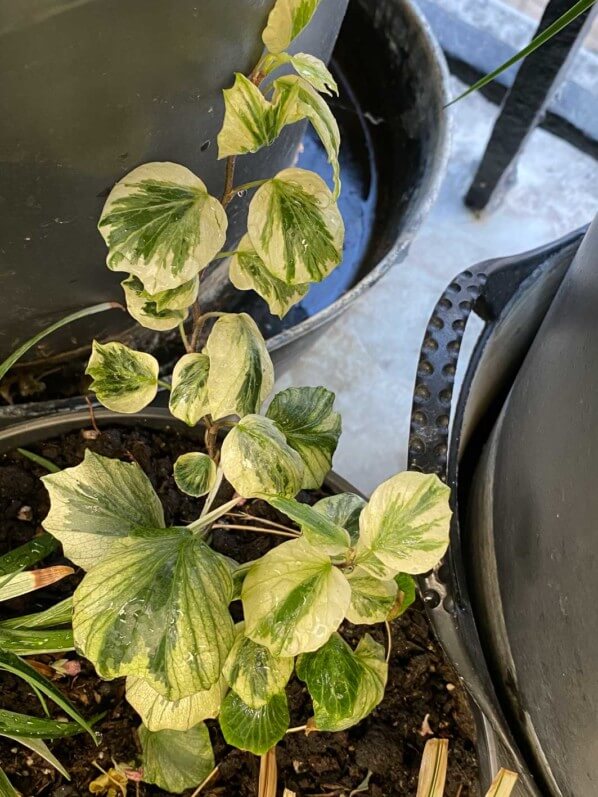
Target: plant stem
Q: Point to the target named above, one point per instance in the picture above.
(229, 176)
(234, 527)
(251, 184)
(210, 517)
(389, 636)
(213, 493)
(184, 338)
(165, 385)
(298, 729)
(265, 521)
(206, 781)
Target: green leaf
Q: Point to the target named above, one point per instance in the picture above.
(98, 503)
(157, 609)
(343, 509)
(254, 673)
(311, 427)
(13, 724)
(405, 526)
(254, 729)
(6, 787)
(161, 225)
(286, 21)
(159, 311)
(25, 642)
(124, 380)
(195, 473)
(248, 272)
(257, 460)
(28, 554)
(371, 598)
(406, 595)
(159, 714)
(41, 748)
(314, 71)
(11, 663)
(59, 614)
(304, 102)
(241, 374)
(176, 760)
(345, 686)
(189, 395)
(295, 227)
(13, 585)
(317, 529)
(294, 599)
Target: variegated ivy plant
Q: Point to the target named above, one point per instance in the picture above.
(154, 603)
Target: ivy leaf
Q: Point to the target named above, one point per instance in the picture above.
(406, 594)
(159, 311)
(257, 460)
(294, 599)
(241, 374)
(320, 532)
(176, 760)
(295, 227)
(405, 526)
(254, 673)
(98, 503)
(195, 473)
(372, 599)
(286, 21)
(357, 687)
(157, 609)
(124, 380)
(189, 394)
(161, 225)
(305, 103)
(248, 272)
(343, 509)
(160, 714)
(254, 729)
(311, 427)
(313, 70)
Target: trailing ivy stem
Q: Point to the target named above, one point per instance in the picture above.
(184, 338)
(213, 493)
(259, 529)
(202, 522)
(389, 636)
(165, 385)
(206, 781)
(229, 176)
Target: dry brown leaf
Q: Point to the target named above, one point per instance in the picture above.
(268, 774)
(503, 784)
(432, 773)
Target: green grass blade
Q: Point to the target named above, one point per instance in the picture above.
(24, 642)
(28, 554)
(6, 787)
(42, 461)
(59, 614)
(29, 344)
(41, 748)
(21, 583)
(14, 724)
(557, 26)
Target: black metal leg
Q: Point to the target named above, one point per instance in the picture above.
(524, 106)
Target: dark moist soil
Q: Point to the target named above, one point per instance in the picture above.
(423, 695)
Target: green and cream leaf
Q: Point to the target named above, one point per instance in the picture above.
(314, 71)
(158, 609)
(294, 599)
(195, 473)
(189, 390)
(286, 21)
(254, 729)
(295, 227)
(343, 509)
(176, 760)
(406, 594)
(306, 417)
(257, 460)
(345, 685)
(241, 374)
(317, 529)
(161, 225)
(124, 380)
(160, 311)
(98, 503)
(372, 599)
(159, 714)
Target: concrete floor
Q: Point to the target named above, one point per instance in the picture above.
(369, 355)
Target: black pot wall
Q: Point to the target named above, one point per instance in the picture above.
(90, 89)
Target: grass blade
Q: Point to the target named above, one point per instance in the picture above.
(24, 642)
(6, 787)
(59, 614)
(15, 584)
(503, 784)
(432, 773)
(14, 724)
(41, 748)
(557, 26)
(42, 461)
(7, 364)
(28, 554)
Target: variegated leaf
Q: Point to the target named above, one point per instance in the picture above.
(158, 609)
(286, 21)
(371, 598)
(176, 760)
(254, 673)
(195, 473)
(320, 532)
(311, 427)
(159, 714)
(124, 380)
(295, 227)
(258, 461)
(12, 585)
(405, 525)
(159, 311)
(248, 272)
(343, 509)
(314, 71)
(306, 103)
(294, 599)
(98, 503)
(161, 225)
(189, 394)
(241, 373)
(357, 687)
(254, 729)
(406, 594)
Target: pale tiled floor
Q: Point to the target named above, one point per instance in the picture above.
(369, 355)
(535, 8)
